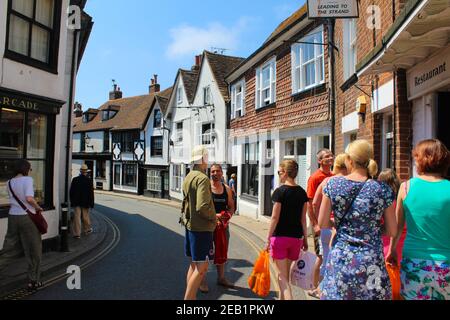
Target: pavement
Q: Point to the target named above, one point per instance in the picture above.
(15, 276)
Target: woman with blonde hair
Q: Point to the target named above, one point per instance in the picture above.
(424, 203)
(287, 232)
(356, 267)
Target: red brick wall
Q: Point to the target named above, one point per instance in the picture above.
(289, 111)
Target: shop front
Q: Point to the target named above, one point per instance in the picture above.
(27, 126)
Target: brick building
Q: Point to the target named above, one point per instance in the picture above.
(279, 109)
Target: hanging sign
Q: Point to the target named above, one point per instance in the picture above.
(337, 9)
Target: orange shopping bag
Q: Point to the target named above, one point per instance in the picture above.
(394, 275)
(259, 280)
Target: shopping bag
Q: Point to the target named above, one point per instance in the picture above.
(302, 271)
(394, 275)
(259, 280)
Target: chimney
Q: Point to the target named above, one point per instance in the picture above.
(198, 62)
(116, 93)
(154, 87)
(78, 110)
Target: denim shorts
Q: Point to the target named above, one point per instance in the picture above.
(199, 246)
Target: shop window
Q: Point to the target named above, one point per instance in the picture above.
(117, 174)
(250, 170)
(33, 32)
(153, 180)
(177, 177)
(23, 135)
(100, 171)
(129, 175)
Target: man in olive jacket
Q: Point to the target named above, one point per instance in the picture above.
(199, 217)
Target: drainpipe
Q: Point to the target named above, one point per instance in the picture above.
(66, 205)
(331, 71)
(394, 119)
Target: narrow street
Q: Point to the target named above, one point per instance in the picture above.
(148, 262)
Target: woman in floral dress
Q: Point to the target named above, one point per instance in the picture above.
(356, 268)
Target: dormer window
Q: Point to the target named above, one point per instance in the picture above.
(109, 113)
(88, 117)
(179, 95)
(158, 119)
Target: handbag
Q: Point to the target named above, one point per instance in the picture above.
(37, 218)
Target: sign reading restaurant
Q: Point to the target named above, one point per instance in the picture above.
(429, 75)
(333, 9)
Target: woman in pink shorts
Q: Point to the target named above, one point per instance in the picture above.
(288, 225)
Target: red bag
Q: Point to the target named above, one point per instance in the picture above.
(394, 275)
(37, 218)
(220, 245)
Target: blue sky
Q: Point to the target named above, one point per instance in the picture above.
(132, 40)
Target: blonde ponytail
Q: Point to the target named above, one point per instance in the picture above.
(361, 153)
(372, 168)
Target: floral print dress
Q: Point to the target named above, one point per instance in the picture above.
(356, 268)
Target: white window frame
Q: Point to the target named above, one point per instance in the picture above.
(349, 47)
(201, 137)
(207, 99)
(298, 64)
(272, 64)
(238, 97)
(179, 133)
(386, 136)
(179, 95)
(177, 179)
(153, 180)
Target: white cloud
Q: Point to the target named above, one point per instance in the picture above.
(188, 40)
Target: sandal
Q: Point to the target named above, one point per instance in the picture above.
(314, 293)
(34, 285)
(204, 290)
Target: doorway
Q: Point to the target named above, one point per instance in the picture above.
(443, 114)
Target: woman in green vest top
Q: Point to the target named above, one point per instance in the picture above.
(424, 203)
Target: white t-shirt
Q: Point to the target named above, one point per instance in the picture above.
(23, 188)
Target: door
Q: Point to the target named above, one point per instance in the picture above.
(443, 131)
(90, 165)
(142, 180)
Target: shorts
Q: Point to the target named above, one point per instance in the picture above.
(199, 246)
(325, 238)
(317, 247)
(425, 279)
(282, 248)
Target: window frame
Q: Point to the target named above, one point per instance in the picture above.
(202, 136)
(272, 64)
(177, 180)
(153, 153)
(154, 184)
(298, 71)
(179, 132)
(350, 49)
(125, 174)
(53, 52)
(234, 99)
(155, 124)
(207, 98)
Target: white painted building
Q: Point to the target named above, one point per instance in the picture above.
(37, 82)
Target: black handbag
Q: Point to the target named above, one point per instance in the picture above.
(37, 218)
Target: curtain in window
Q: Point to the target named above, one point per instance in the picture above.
(40, 44)
(44, 12)
(18, 35)
(25, 7)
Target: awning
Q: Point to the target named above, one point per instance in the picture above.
(422, 28)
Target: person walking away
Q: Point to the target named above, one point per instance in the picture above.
(288, 230)
(22, 236)
(424, 203)
(390, 177)
(223, 202)
(82, 200)
(199, 219)
(356, 268)
(326, 234)
(325, 159)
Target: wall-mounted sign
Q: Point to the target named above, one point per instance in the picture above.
(333, 9)
(12, 99)
(429, 75)
(117, 151)
(139, 150)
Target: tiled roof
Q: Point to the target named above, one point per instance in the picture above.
(190, 82)
(289, 21)
(221, 66)
(132, 115)
(163, 99)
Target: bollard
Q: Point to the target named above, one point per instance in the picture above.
(64, 227)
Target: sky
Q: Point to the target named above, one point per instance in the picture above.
(132, 40)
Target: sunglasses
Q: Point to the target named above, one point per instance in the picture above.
(280, 173)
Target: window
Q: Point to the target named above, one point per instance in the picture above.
(324, 142)
(108, 114)
(129, 175)
(207, 95)
(349, 47)
(266, 84)
(237, 100)
(158, 119)
(100, 169)
(180, 95)
(157, 146)
(33, 32)
(126, 139)
(105, 141)
(23, 135)
(177, 177)
(388, 141)
(290, 148)
(153, 180)
(250, 170)
(179, 132)
(308, 62)
(117, 174)
(206, 133)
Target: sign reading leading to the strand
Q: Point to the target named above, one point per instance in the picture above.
(333, 9)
